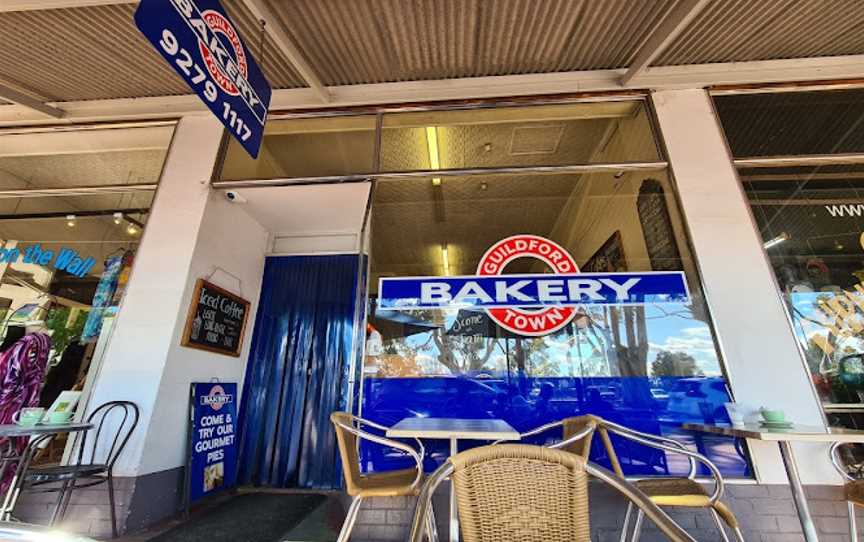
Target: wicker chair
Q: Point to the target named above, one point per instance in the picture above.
(522, 493)
(853, 490)
(675, 491)
(399, 483)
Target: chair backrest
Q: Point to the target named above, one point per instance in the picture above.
(582, 447)
(347, 450)
(113, 423)
(517, 492)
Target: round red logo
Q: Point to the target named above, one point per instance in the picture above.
(220, 25)
(533, 323)
(216, 399)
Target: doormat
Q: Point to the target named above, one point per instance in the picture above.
(258, 517)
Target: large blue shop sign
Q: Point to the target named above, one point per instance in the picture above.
(198, 40)
(535, 304)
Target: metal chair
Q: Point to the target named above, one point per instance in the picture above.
(853, 489)
(401, 483)
(96, 458)
(675, 491)
(523, 493)
(577, 434)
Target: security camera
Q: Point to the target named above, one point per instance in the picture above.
(234, 197)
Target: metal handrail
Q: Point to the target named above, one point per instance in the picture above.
(631, 492)
(662, 443)
(356, 431)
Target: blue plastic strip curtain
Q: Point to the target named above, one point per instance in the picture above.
(297, 371)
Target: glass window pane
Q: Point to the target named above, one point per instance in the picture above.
(793, 123)
(58, 159)
(515, 136)
(811, 221)
(650, 366)
(312, 147)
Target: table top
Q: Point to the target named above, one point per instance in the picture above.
(806, 433)
(449, 428)
(14, 430)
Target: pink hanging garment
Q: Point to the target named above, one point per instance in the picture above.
(22, 374)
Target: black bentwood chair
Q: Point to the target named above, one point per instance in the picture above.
(113, 423)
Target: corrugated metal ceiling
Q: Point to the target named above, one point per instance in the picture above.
(97, 53)
(742, 30)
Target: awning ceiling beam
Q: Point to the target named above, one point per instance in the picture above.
(12, 95)
(675, 22)
(273, 28)
(32, 5)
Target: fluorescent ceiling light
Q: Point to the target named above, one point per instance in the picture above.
(776, 241)
(434, 158)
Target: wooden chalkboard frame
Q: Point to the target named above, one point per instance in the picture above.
(190, 318)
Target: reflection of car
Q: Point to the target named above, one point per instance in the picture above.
(698, 397)
(659, 394)
(393, 399)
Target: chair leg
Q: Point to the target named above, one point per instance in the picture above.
(111, 505)
(431, 525)
(350, 518)
(61, 496)
(637, 527)
(719, 523)
(625, 528)
(69, 490)
(853, 527)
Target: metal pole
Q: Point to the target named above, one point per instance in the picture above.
(798, 494)
(615, 167)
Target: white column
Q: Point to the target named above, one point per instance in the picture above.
(762, 360)
(136, 355)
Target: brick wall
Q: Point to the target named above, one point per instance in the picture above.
(140, 502)
(767, 514)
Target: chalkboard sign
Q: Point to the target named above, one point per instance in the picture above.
(657, 227)
(216, 321)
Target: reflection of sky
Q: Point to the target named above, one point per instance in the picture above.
(670, 327)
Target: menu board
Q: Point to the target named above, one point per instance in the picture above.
(657, 227)
(216, 321)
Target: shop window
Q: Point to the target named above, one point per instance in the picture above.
(812, 226)
(551, 135)
(810, 217)
(793, 123)
(651, 365)
(312, 147)
(70, 225)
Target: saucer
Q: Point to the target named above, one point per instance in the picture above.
(776, 425)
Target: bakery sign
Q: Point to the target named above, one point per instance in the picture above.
(531, 304)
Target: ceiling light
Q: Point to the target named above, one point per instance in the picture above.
(432, 146)
(131, 229)
(445, 258)
(70, 221)
(776, 241)
(118, 218)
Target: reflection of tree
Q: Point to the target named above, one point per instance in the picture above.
(674, 364)
(631, 347)
(463, 353)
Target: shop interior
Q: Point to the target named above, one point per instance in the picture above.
(73, 209)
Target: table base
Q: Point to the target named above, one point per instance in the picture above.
(798, 494)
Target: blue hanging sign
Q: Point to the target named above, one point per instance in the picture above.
(212, 464)
(198, 40)
(534, 304)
